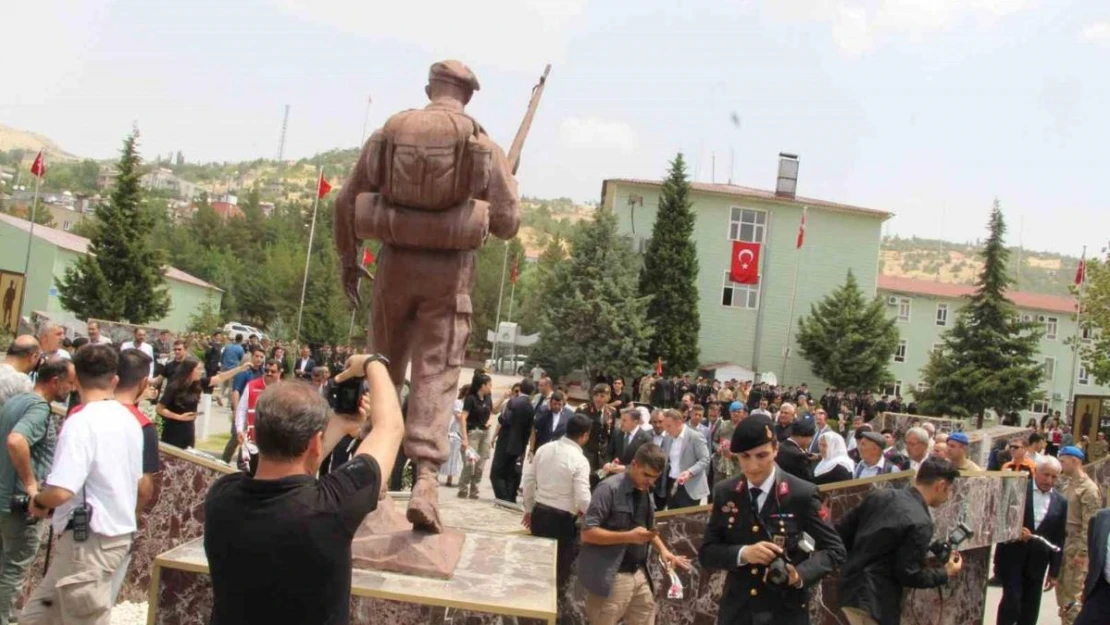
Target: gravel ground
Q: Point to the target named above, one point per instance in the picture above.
(128, 613)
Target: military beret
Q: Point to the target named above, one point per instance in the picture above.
(874, 437)
(803, 427)
(1073, 451)
(736, 406)
(751, 433)
(959, 437)
(454, 71)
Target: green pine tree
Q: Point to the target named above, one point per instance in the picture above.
(593, 316)
(847, 340)
(537, 280)
(326, 315)
(122, 277)
(988, 360)
(669, 276)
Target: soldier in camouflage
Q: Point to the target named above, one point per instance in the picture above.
(1083, 502)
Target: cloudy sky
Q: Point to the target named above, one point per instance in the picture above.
(928, 109)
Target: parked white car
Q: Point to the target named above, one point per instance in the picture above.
(232, 328)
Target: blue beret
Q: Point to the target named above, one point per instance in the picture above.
(959, 437)
(1072, 450)
(735, 406)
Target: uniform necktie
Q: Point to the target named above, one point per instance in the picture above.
(755, 493)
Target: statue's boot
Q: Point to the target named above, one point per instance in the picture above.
(423, 510)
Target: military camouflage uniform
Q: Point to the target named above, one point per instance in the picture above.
(1083, 502)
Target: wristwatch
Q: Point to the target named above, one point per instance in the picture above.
(374, 358)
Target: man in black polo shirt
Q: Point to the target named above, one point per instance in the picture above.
(279, 544)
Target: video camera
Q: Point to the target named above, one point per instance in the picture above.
(942, 549)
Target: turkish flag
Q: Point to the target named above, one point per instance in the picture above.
(745, 263)
(801, 231)
(367, 258)
(38, 168)
(323, 187)
(514, 275)
(1081, 272)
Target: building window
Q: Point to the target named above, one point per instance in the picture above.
(1050, 325)
(1049, 369)
(922, 387)
(1040, 406)
(747, 225)
(937, 347)
(642, 243)
(893, 390)
(904, 308)
(942, 314)
(1088, 334)
(65, 226)
(1084, 377)
(900, 351)
(738, 295)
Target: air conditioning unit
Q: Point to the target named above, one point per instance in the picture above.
(1040, 318)
(892, 301)
(1057, 396)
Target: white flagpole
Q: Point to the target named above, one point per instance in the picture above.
(308, 254)
(31, 231)
(500, 294)
(1078, 340)
(793, 297)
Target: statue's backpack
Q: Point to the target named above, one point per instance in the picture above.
(429, 159)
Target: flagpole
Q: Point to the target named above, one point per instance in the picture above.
(1078, 337)
(793, 298)
(308, 254)
(354, 313)
(31, 231)
(512, 293)
(500, 294)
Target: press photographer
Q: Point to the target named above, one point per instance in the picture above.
(888, 537)
(30, 430)
(279, 543)
(92, 488)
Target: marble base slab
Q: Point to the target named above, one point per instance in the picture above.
(501, 578)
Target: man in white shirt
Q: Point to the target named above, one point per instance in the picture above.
(917, 446)
(140, 344)
(93, 489)
(50, 337)
(95, 337)
(557, 490)
(871, 462)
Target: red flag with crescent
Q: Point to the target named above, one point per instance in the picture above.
(745, 263)
(38, 168)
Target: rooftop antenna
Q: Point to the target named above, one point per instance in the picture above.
(281, 142)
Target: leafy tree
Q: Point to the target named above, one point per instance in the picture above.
(847, 340)
(669, 276)
(1094, 299)
(122, 276)
(487, 288)
(593, 317)
(325, 309)
(206, 319)
(42, 216)
(988, 360)
(537, 280)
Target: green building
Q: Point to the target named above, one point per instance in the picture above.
(925, 309)
(744, 327)
(53, 250)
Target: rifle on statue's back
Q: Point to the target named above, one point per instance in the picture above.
(526, 123)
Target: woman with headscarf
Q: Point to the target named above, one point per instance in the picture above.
(835, 465)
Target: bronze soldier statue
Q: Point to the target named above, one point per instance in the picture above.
(431, 185)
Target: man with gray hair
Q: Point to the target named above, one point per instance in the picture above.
(784, 422)
(279, 543)
(917, 446)
(51, 335)
(15, 372)
(1021, 564)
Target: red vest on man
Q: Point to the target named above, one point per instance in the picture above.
(253, 390)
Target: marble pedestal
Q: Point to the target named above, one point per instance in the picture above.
(501, 579)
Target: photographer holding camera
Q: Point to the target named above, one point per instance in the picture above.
(30, 431)
(765, 529)
(93, 490)
(888, 536)
(279, 543)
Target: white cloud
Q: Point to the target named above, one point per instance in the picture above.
(512, 34)
(1096, 32)
(597, 133)
(859, 26)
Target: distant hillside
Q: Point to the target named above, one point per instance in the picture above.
(959, 263)
(30, 142)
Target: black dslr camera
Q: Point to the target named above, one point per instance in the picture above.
(776, 570)
(344, 398)
(942, 549)
(20, 504)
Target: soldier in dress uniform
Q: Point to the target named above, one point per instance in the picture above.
(758, 517)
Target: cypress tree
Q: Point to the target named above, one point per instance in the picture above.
(847, 340)
(123, 275)
(988, 360)
(669, 274)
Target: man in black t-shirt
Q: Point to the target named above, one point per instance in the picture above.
(279, 544)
